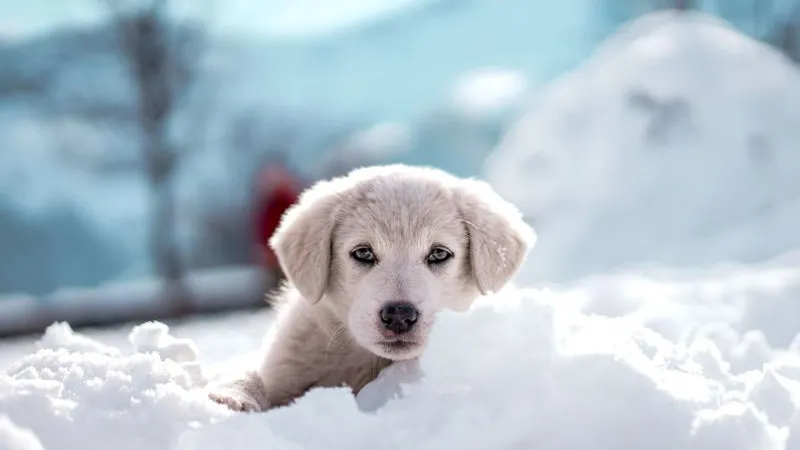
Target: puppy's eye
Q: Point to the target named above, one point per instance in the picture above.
(363, 255)
(438, 255)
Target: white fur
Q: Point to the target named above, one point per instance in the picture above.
(328, 331)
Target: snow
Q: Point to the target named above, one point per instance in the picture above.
(675, 144)
(60, 335)
(523, 367)
(100, 401)
(155, 337)
(13, 437)
(661, 181)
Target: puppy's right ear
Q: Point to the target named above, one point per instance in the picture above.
(499, 239)
(302, 241)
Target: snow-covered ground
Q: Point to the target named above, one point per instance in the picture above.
(522, 368)
(663, 168)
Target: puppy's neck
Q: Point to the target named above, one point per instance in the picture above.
(341, 348)
(310, 347)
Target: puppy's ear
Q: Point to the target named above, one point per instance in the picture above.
(302, 241)
(499, 239)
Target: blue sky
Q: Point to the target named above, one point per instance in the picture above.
(24, 18)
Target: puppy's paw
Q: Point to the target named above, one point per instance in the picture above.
(234, 402)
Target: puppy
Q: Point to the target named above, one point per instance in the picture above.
(370, 258)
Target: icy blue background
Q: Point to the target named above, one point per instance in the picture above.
(72, 201)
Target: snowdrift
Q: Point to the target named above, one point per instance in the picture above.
(522, 369)
(676, 143)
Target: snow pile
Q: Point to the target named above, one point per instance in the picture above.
(759, 303)
(154, 337)
(676, 143)
(522, 368)
(521, 371)
(13, 437)
(77, 393)
(61, 336)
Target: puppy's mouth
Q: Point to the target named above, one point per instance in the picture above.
(398, 348)
(398, 345)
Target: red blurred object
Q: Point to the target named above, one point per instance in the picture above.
(277, 189)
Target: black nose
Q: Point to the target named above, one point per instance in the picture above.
(399, 317)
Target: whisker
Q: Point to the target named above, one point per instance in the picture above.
(336, 332)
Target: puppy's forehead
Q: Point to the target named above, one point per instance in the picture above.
(403, 212)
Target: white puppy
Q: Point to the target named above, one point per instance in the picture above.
(370, 258)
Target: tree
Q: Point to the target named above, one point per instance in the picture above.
(162, 58)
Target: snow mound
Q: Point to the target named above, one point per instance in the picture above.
(61, 336)
(532, 372)
(77, 393)
(676, 143)
(154, 337)
(521, 368)
(13, 437)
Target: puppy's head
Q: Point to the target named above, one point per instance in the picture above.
(386, 247)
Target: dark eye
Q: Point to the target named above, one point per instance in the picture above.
(363, 255)
(438, 255)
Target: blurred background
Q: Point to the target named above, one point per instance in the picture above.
(149, 147)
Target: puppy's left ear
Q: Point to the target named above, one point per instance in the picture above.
(499, 239)
(302, 241)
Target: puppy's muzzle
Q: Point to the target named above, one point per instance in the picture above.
(399, 317)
